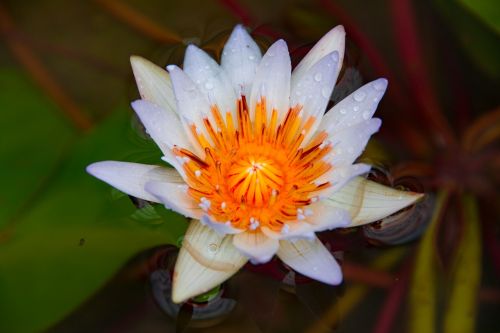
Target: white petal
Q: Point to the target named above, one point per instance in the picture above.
(334, 40)
(153, 83)
(255, 245)
(240, 58)
(272, 80)
(175, 197)
(311, 259)
(355, 108)
(210, 79)
(192, 105)
(219, 227)
(164, 127)
(368, 201)
(349, 143)
(340, 176)
(205, 260)
(314, 89)
(325, 217)
(132, 177)
(292, 230)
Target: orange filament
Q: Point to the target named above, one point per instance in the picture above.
(255, 172)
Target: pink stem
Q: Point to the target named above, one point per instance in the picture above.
(411, 51)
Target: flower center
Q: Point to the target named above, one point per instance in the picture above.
(257, 171)
(254, 179)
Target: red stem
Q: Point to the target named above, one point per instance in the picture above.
(392, 304)
(413, 139)
(411, 51)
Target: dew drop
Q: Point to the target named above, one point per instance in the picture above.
(209, 85)
(325, 92)
(356, 108)
(251, 57)
(366, 115)
(359, 96)
(212, 247)
(317, 77)
(343, 111)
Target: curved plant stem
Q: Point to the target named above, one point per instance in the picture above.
(39, 73)
(139, 22)
(411, 51)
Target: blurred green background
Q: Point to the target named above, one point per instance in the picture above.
(75, 255)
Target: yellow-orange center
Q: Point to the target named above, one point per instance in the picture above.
(256, 171)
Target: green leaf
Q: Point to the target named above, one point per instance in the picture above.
(461, 310)
(29, 150)
(422, 294)
(72, 239)
(481, 44)
(487, 11)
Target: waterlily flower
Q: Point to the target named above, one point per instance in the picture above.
(258, 166)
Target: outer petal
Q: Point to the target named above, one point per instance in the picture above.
(153, 83)
(368, 201)
(257, 246)
(272, 80)
(132, 177)
(175, 197)
(324, 217)
(334, 40)
(164, 128)
(210, 79)
(240, 58)
(221, 228)
(311, 259)
(355, 108)
(205, 260)
(340, 176)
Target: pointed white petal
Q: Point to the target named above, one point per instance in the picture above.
(349, 143)
(355, 108)
(206, 259)
(311, 259)
(174, 197)
(132, 177)
(255, 245)
(192, 105)
(324, 217)
(334, 40)
(210, 79)
(219, 227)
(340, 176)
(368, 201)
(164, 128)
(153, 83)
(240, 58)
(272, 80)
(314, 89)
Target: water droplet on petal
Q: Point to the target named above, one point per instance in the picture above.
(209, 85)
(366, 115)
(343, 111)
(325, 92)
(251, 57)
(317, 77)
(359, 96)
(212, 248)
(356, 108)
